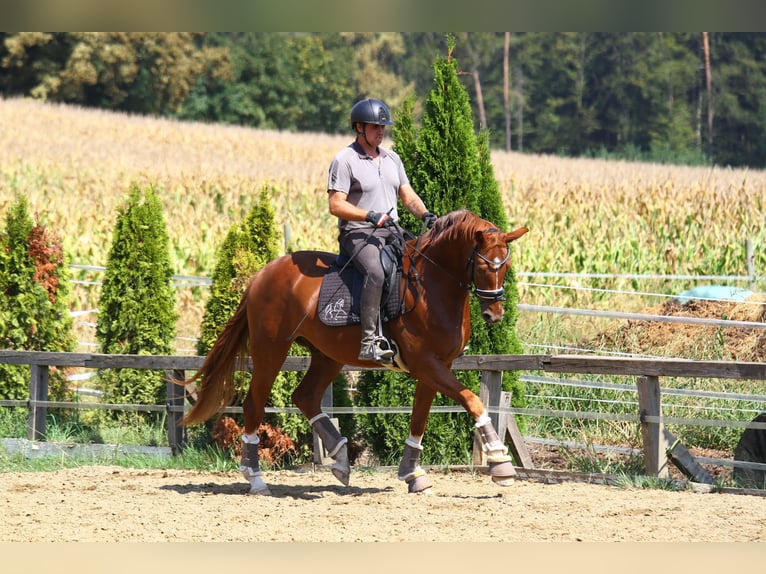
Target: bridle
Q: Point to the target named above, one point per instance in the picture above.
(485, 295)
(489, 295)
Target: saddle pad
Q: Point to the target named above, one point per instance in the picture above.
(339, 297)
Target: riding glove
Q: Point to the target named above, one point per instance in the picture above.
(429, 219)
(379, 219)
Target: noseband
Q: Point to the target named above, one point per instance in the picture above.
(490, 295)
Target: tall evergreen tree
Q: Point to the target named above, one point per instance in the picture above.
(137, 303)
(248, 246)
(34, 299)
(448, 164)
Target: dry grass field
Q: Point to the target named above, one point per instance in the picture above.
(75, 167)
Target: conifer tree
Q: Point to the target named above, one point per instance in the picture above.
(449, 166)
(137, 303)
(34, 299)
(248, 246)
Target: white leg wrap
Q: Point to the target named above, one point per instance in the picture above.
(251, 438)
(482, 420)
(257, 486)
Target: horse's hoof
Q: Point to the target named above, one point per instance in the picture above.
(502, 473)
(503, 480)
(262, 491)
(341, 474)
(420, 485)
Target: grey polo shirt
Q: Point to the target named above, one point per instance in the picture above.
(367, 185)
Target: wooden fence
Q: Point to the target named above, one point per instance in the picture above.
(659, 445)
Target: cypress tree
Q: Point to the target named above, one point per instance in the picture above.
(137, 303)
(34, 306)
(248, 246)
(449, 166)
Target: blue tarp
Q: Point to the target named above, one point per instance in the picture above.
(723, 292)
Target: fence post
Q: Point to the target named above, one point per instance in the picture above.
(38, 391)
(652, 432)
(750, 257)
(489, 393)
(176, 396)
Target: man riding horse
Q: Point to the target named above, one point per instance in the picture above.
(364, 183)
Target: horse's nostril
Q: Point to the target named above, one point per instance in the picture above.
(491, 317)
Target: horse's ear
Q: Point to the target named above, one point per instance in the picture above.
(515, 234)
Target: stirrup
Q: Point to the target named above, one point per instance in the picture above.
(374, 352)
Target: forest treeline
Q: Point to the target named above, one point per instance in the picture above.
(680, 97)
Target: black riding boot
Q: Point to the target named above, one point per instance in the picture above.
(371, 348)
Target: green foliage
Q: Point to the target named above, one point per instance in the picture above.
(35, 287)
(573, 93)
(137, 303)
(134, 71)
(248, 246)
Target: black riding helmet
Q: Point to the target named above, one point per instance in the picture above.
(370, 111)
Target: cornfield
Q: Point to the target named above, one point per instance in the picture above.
(75, 167)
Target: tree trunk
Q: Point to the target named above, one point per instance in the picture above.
(507, 91)
(479, 99)
(709, 96)
(520, 108)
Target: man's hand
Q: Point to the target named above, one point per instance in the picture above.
(379, 219)
(429, 219)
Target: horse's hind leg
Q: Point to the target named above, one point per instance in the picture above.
(266, 367)
(308, 398)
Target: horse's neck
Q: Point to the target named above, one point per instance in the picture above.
(451, 259)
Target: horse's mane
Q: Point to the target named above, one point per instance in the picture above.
(456, 225)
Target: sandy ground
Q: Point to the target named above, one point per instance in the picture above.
(113, 504)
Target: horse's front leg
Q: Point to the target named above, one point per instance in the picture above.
(439, 378)
(500, 466)
(335, 445)
(410, 470)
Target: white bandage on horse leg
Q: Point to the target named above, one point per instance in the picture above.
(335, 444)
(482, 420)
(410, 470)
(410, 460)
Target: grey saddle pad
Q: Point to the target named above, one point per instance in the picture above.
(340, 292)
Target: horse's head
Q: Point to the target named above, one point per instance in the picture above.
(488, 265)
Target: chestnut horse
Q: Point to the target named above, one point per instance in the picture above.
(461, 254)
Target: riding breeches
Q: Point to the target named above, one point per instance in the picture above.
(363, 247)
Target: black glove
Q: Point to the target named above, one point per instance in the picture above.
(379, 219)
(429, 219)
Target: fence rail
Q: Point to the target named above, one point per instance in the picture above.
(658, 443)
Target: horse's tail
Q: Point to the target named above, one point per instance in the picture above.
(228, 355)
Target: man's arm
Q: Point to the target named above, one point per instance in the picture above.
(342, 209)
(411, 201)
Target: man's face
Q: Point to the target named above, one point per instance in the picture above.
(374, 133)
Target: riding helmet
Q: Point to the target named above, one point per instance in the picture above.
(371, 111)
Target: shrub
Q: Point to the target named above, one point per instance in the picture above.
(137, 303)
(34, 307)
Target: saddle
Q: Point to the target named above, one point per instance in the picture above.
(341, 289)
